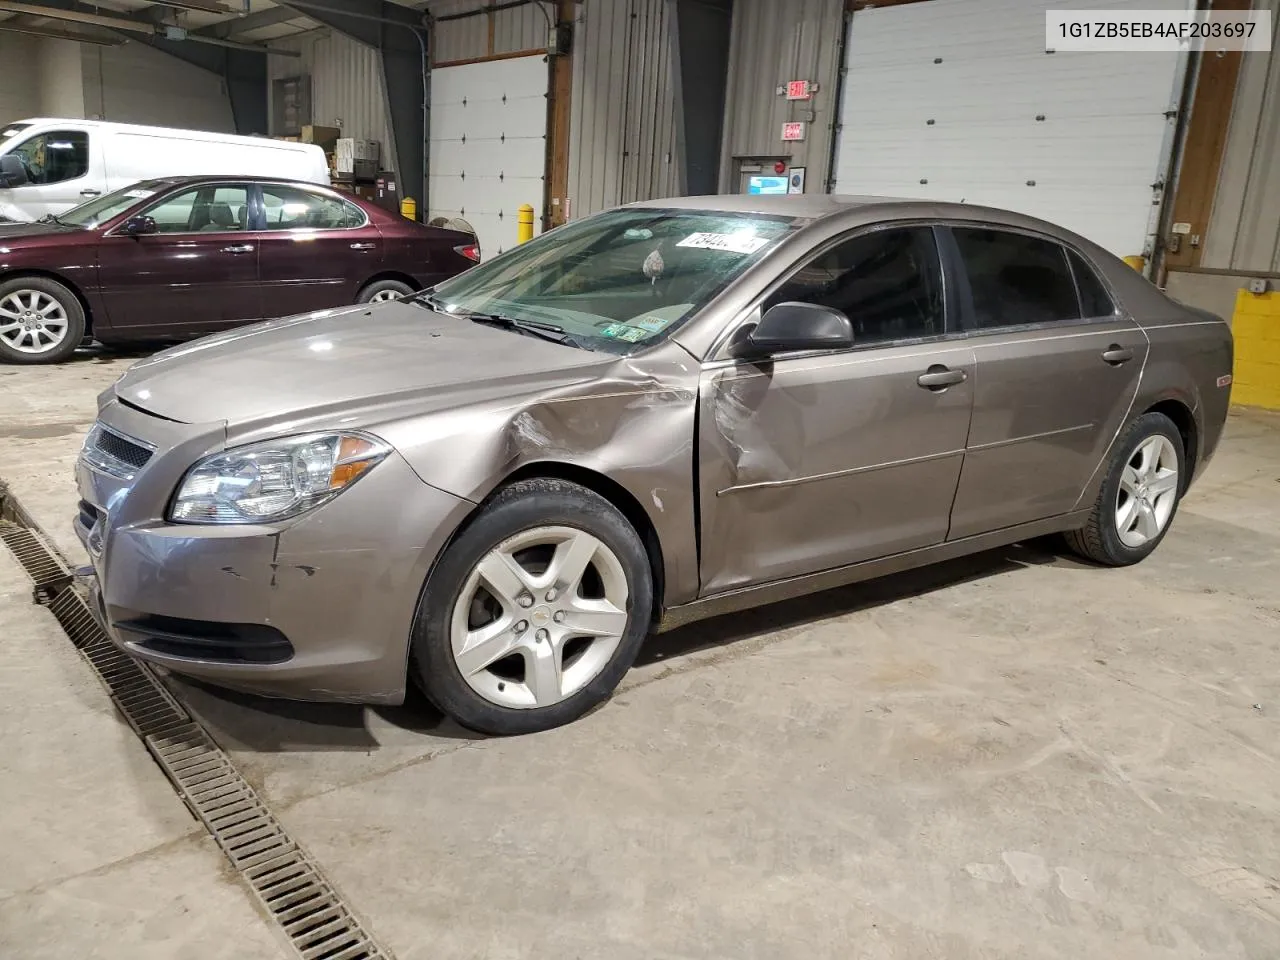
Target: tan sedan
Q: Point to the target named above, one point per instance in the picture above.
(499, 487)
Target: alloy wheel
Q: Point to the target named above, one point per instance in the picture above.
(1148, 491)
(383, 295)
(539, 617)
(31, 321)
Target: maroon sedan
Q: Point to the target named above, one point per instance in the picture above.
(176, 258)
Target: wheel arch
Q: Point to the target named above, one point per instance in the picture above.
(1184, 419)
(390, 275)
(56, 277)
(619, 496)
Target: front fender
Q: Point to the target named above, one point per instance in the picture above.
(634, 426)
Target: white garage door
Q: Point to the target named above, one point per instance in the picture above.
(489, 145)
(958, 100)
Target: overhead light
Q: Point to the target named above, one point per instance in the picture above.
(201, 6)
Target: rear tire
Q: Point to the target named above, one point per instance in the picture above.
(535, 611)
(1139, 496)
(41, 321)
(381, 290)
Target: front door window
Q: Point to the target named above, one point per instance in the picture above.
(887, 282)
(220, 208)
(54, 157)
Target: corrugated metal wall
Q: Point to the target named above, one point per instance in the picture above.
(520, 28)
(20, 88)
(347, 88)
(622, 126)
(774, 42)
(1244, 229)
(133, 83)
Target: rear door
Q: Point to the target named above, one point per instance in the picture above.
(197, 272)
(1057, 371)
(316, 249)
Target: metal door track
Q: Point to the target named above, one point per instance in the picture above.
(287, 882)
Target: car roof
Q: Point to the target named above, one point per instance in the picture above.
(810, 205)
(821, 206)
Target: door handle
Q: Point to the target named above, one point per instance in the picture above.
(90, 192)
(239, 248)
(939, 377)
(363, 246)
(1116, 355)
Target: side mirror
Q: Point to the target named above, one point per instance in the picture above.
(140, 226)
(12, 172)
(800, 326)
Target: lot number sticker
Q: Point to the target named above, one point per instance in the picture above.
(732, 242)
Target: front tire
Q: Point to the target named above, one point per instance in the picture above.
(41, 321)
(1139, 496)
(535, 612)
(382, 290)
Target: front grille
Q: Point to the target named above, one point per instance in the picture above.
(120, 448)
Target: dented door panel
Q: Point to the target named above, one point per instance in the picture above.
(816, 462)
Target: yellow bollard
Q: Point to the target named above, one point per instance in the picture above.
(409, 208)
(524, 223)
(1138, 263)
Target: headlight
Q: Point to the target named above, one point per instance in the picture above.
(274, 480)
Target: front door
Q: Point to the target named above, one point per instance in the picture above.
(315, 250)
(811, 462)
(198, 272)
(60, 167)
(1058, 369)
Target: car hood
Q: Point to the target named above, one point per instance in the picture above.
(10, 230)
(342, 362)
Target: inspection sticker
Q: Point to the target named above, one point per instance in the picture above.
(622, 331)
(732, 242)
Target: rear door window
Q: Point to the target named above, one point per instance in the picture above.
(1016, 279)
(288, 208)
(1094, 299)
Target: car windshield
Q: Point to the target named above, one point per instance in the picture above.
(11, 130)
(99, 211)
(618, 280)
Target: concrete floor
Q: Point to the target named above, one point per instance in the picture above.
(1013, 755)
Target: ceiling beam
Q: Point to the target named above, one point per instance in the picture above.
(254, 21)
(34, 26)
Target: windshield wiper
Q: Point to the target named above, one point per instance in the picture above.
(532, 328)
(51, 218)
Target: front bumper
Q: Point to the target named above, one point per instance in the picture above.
(340, 584)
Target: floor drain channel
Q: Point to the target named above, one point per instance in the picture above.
(286, 881)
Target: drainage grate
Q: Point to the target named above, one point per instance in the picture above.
(36, 557)
(286, 881)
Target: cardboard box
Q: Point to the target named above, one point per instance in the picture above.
(357, 158)
(324, 136)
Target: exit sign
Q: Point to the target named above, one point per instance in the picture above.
(793, 131)
(799, 90)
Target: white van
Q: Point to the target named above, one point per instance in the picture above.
(48, 166)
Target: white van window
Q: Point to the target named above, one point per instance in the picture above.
(288, 208)
(223, 208)
(54, 157)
